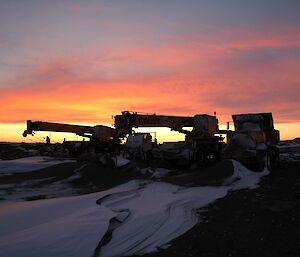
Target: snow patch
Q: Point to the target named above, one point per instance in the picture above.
(159, 212)
(160, 172)
(243, 178)
(29, 164)
(120, 161)
(68, 227)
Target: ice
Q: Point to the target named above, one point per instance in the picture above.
(29, 164)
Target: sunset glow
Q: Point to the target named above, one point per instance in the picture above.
(82, 62)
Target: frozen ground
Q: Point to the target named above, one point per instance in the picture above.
(39, 188)
(143, 216)
(35, 188)
(29, 164)
(290, 150)
(290, 153)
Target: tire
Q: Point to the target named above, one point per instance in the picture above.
(259, 163)
(258, 166)
(219, 153)
(269, 161)
(200, 157)
(272, 158)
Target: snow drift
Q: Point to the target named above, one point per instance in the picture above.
(151, 214)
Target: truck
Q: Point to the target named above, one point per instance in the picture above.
(253, 141)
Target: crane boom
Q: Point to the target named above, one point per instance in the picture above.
(57, 127)
(99, 133)
(203, 124)
(128, 120)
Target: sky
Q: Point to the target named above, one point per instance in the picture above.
(82, 62)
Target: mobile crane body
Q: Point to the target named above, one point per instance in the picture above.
(102, 138)
(202, 140)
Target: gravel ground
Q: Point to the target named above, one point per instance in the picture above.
(259, 222)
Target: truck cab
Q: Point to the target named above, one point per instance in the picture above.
(253, 141)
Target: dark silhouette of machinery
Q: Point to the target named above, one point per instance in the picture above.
(254, 141)
(101, 138)
(203, 141)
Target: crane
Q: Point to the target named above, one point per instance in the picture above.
(102, 138)
(203, 137)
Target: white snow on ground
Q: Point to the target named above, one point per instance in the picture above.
(120, 161)
(58, 227)
(244, 178)
(160, 172)
(29, 164)
(153, 213)
(159, 212)
(156, 173)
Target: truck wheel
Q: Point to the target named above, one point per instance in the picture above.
(272, 158)
(269, 161)
(258, 166)
(200, 157)
(218, 154)
(259, 163)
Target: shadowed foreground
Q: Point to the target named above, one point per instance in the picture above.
(259, 222)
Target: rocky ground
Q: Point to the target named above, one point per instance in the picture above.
(10, 151)
(258, 222)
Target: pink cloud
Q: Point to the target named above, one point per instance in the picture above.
(182, 78)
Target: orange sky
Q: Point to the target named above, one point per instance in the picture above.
(84, 63)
